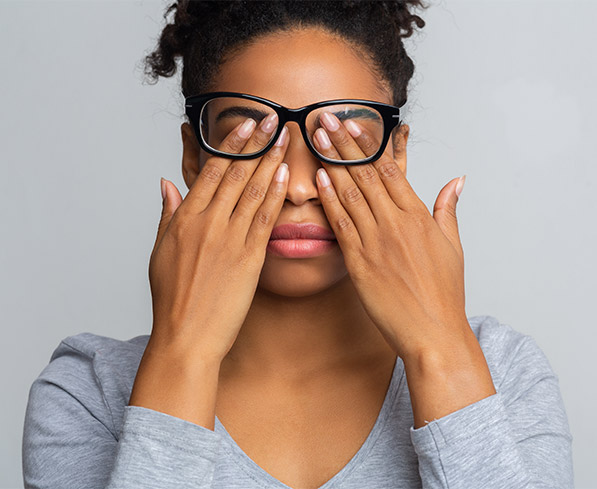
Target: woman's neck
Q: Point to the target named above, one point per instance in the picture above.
(298, 337)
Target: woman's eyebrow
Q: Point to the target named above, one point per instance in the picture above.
(361, 113)
(237, 110)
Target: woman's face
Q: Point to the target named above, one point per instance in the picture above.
(295, 69)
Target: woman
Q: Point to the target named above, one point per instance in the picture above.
(309, 314)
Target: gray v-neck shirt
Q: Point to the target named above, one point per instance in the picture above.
(79, 431)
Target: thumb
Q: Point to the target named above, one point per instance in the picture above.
(444, 211)
(171, 199)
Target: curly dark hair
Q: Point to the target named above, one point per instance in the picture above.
(204, 33)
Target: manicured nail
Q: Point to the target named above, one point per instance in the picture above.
(281, 172)
(246, 128)
(282, 137)
(460, 185)
(324, 178)
(323, 139)
(163, 187)
(329, 122)
(270, 123)
(353, 129)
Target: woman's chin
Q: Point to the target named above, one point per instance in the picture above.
(301, 277)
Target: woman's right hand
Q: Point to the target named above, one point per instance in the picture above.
(211, 246)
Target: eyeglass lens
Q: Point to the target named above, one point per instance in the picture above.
(221, 115)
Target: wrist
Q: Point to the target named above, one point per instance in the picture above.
(181, 354)
(446, 377)
(444, 356)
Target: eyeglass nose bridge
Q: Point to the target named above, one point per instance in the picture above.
(299, 116)
(294, 115)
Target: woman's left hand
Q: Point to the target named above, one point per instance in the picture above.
(406, 265)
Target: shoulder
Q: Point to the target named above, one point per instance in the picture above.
(511, 355)
(99, 353)
(90, 343)
(98, 371)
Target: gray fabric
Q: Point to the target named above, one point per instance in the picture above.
(79, 431)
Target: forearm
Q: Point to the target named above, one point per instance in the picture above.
(176, 382)
(446, 377)
(466, 434)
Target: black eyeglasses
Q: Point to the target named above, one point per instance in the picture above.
(214, 115)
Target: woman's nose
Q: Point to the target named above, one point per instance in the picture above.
(302, 166)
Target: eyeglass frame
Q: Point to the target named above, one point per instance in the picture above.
(390, 114)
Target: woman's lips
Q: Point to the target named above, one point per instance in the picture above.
(302, 230)
(300, 248)
(301, 240)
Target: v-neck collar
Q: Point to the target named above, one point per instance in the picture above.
(248, 465)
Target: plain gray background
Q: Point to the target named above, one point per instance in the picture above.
(504, 92)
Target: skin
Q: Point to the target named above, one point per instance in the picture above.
(393, 286)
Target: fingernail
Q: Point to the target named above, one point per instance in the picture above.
(281, 172)
(329, 122)
(460, 185)
(163, 187)
(246, 128)
(271, 121)
(282, 137)
(323, 139)
(324, 178)
(353, 129)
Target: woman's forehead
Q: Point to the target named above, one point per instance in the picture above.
(298, 68)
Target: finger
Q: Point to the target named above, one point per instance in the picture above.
(353, 141)
(365, 175)
(347, 234)
(445, 215)
(205, 185)
(239, 140)
(239, 172)
(345, 188)
(347, 147)
(171, 201)
(267, 214)
(397, 185)
(256, 189)
(368, 177)
(367, 142)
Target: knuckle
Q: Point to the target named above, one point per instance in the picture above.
(419, 221)
(233, 143)
(278, 191)
(210, 232)
(327, 196)
(352, 194)
(245, 256)
(343, 223)
(365, 174)
(396, 226)
(179, 228)
(211, 173)
(236, 173)
(368, 144)
(261, 139)
(389, 170)
(262, 218)
(341, 139)
(254, 193)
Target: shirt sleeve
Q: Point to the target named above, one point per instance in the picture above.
(518, 438)
(70, 441)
